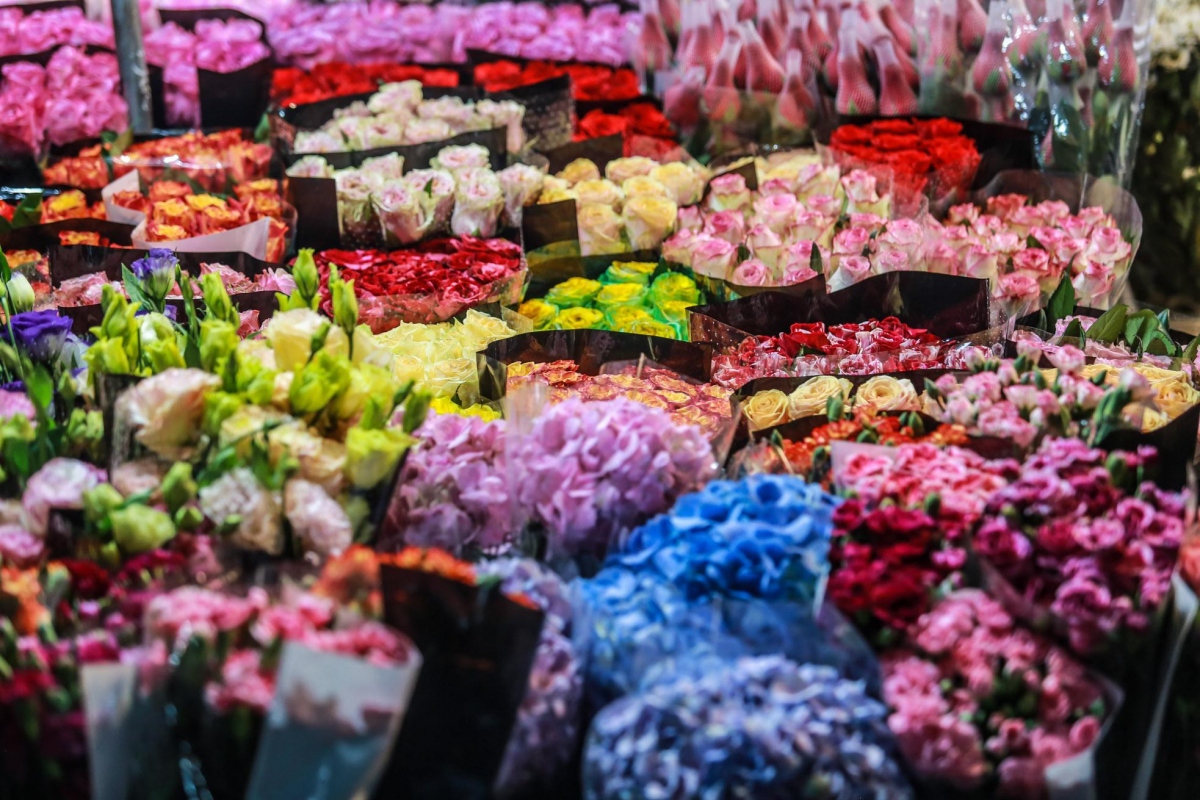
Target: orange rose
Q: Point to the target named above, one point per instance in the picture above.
(172, 212)
(159, 232)
(77, 237)
(214, 219)
(202, 202)
(165, 190)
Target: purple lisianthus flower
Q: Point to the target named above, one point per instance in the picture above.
(156, 272)
(41, 334)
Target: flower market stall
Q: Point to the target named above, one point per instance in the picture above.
(665, 399)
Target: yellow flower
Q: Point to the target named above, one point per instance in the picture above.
(811, 398)
(629, 272)
(685, 184)
(767, 409)
(599, 230)
(648, 220)
(620, 294)
(1173, 397)
(574, 318)
(581, 169)
(291, 333)
(539, 312)
(556, 196)
(651, 327)
(599, 192)
(885, 393)
(645, 186)
(621, 317)
(623, 168)
(444, 405)
(574, 292)
(199, 202)
(65, 202)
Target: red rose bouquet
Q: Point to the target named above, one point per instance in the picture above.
(430, 283)
(588, 81)
(295, 86)
(871, 347)
(926, 157)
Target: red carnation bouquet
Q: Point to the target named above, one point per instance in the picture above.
(930, 157)
(294, 86)
(430, 283)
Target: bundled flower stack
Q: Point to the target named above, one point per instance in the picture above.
(430, 510)
(773, 70)
(460, 194)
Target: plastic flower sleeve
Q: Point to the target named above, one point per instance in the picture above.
(330, 726)
(478, 648)
(1080, 192)
(129, 749)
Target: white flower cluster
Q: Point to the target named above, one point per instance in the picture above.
(398, 114)
(1175, 33)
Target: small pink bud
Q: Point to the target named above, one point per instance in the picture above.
(972, 23)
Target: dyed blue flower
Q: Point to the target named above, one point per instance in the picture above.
(41, 334)
(754, 727)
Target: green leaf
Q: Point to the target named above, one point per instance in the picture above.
(1189, 352)
(1062, 303)
(1109, 327)
(814, 260)
(133, 288)
(1139, 324)
(29, 212)
(1074, 330)
(1158, 343)
(40, 387)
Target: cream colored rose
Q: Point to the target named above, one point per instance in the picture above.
(1090, 371)
(1173, 397)
(446, 377)
(599, 231)
(885, 393)
(556, 196)
(581, 169)
(1156, 374)
(408, 368)
(619, 170)
(599, 192)
(648, 220)
(766, 409)
(811, 398)
(645, 186)
(483, 329)
(685, 184)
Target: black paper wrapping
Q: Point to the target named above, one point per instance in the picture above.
(477, 648)
(947, 306)
(235, 99)
(718, 290)
(591, 350)
(546, 224)
(600, 150)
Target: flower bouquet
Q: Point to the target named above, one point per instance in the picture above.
(629, 296)
(255, 221)
(242, 685)
(440, 358)
(756, 727)
(980, 704)
(377, 203)
(217, 162)
(431, 283)
(215, 72)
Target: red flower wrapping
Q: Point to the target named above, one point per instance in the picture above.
(430, 283)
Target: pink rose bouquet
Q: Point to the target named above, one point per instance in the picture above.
(980, 703)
